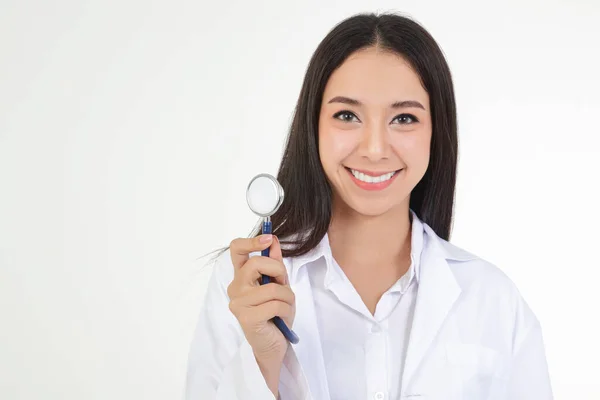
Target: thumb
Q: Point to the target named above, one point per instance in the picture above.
(275, 249)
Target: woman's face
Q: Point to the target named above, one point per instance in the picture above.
(374, 131)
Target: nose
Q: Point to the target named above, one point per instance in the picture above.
(375, 143)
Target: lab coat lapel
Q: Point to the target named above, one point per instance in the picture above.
(438, 290)
(308, 349)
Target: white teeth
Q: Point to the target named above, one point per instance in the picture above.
(372, 179)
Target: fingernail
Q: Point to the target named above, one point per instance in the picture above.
(266, 238)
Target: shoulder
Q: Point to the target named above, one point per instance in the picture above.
(487, 289)
(472, 271)
(468, 268)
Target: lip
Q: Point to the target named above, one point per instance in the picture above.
(373, 186)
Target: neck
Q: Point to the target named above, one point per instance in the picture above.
(372, 242)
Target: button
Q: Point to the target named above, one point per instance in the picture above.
(379, 396)
(375, 329)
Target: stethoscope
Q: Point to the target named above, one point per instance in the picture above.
(264, 196)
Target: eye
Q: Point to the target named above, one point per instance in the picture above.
(406, 119)
(346, 116)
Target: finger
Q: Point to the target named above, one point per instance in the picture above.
(257, 266)
(266, 293)
(273, 308)
(240, 248)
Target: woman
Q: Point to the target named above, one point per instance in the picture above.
(385, 307)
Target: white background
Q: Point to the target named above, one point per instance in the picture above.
(129, 130)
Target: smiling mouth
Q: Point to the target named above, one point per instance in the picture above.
(372, 178)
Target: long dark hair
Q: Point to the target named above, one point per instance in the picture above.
(305, 214)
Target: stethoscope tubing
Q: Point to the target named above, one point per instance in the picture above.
(289, 334)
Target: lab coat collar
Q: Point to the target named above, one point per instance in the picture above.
(438, 291)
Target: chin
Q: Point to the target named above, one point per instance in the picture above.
(371, 208)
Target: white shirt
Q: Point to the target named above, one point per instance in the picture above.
(369, 348)
(454, 327)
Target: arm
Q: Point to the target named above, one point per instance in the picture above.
(221, 363)
(529, 377)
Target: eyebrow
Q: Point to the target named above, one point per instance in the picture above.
(397, 104)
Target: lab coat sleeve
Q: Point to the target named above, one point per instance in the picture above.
(221, 363)
(529, 378)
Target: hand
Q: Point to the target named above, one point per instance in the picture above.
(254, 305)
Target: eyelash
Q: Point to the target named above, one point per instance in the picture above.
(336, 115)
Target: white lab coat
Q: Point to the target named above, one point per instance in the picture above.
(473, 337)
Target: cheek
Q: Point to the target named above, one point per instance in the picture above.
(334, 146)
(414, 150)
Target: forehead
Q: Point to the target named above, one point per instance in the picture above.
(376, 76)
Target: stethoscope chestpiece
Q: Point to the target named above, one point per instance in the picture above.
(264, 195)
